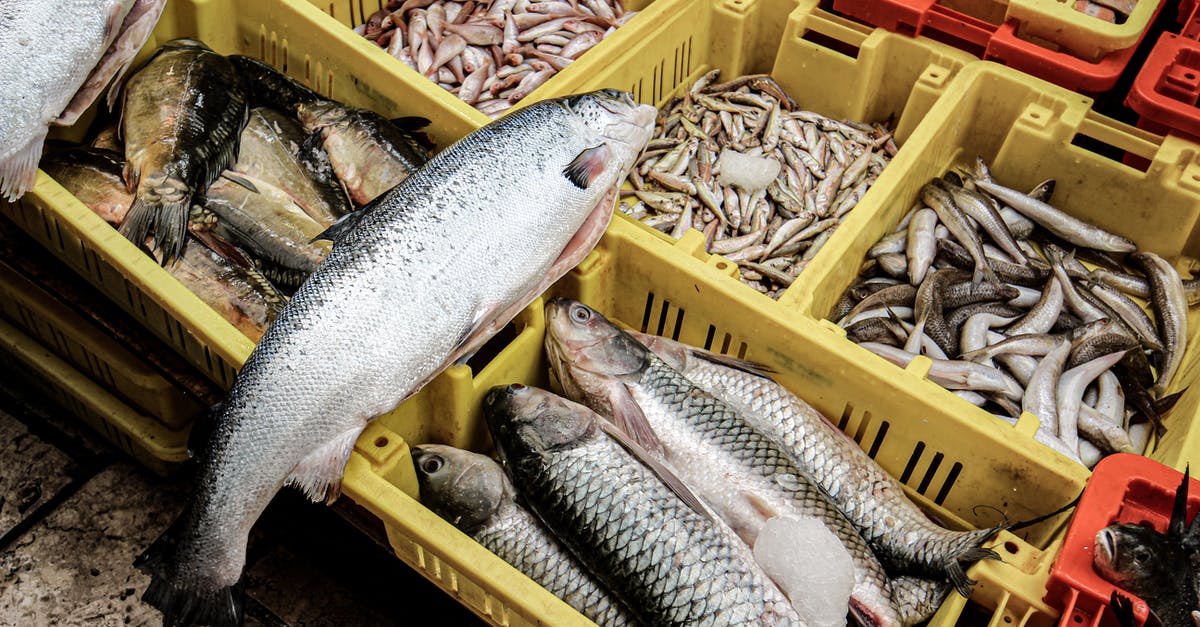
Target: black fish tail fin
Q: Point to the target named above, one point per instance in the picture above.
(185, 599)
(1177, 528)
(166, 222)
(965, 555)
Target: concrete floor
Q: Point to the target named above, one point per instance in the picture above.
(74, 514)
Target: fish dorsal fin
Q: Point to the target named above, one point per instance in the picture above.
(344, 225)
(586, 166)
(744, 365)
(660, 470)
(1177, 528)
(629, 417)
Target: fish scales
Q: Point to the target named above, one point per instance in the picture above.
(671, 564)
(398, 299)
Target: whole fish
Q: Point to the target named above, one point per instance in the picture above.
(668, 563)
(471, 492)
(272, 148)
(268, 224)
(181, 117)
(1170, 310)
(702, 437)
(59, 55)
(369, 154)
(869, 497)
(420, 280)
(93, 176)
(1158, 567)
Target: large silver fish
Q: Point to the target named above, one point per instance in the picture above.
(418, 280)
(670, 564)
(471, 492)
(746, 478)
(58, 56)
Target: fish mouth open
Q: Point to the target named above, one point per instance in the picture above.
(1106, 547)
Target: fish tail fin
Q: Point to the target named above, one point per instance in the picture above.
(19, 171)
(166, 222)
(185, 599)
(957, 564)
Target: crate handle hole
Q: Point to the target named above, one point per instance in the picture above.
(1008, 619)
(1035, 115)
(381, 441)
(721, 265)
(1077, 618)
(1189, 76)
(1011, 547)
(935, 74)
(1196, 177)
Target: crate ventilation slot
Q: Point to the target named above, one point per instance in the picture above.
(662, 323)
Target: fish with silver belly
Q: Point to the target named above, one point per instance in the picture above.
(605, 368)
(471, 492)
(60, 54)
(181, 116)
(669, 563)
(1161, 568)
(418, 281)
(904, 537)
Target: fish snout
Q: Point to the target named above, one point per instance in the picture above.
(501, 396)
(1106, 547)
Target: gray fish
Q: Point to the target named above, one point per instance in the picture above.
(669, 563)
(869, 497)
(471, 492)
(59, 55)
(181, 115)
(408, 289)
(979, 207)
(953, 218)
(368, 152)
(1170, 309)
(272, 149)
(702, 437)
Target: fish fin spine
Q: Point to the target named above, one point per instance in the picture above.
(319, 474)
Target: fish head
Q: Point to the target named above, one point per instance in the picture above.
(1132, 556)
(462, 487)
(320, 114)
(527, 421)
(588, 353)
(616, 119)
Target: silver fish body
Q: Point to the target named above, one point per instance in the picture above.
(670, 564)
(433, 270)
(471, 492)
(870, 498)
(1170, 308)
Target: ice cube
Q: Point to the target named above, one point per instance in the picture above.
(810, 566)
(751, 174)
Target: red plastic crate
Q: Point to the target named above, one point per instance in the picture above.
(1123, 488)
(991, 42)
(1166, 90)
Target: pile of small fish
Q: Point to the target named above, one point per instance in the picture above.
(1016, 327)
(492, 54)
(1163, 569)
(766, 182)
(688, 487)
(1115, 11)
(230, 172)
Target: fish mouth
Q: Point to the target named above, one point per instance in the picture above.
(1106, 547)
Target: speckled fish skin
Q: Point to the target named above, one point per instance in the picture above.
(870, 498)
(472, 492)
(703, 437)
(670, 564)
(181, 115)
(433, 270)
(49, 48)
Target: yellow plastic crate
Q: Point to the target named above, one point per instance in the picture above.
(966, 474)
(830, 65)
(78, 341)
(1029, 130)
(1058, 22)
(151, 443)
(305, 46)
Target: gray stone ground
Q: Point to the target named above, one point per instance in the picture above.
(74, 514)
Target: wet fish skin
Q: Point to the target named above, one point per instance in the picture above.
(699, 435)
(953, 218)
(871, 499)
(921, 245)
(954, 254)
(977, 207)
(67, 52)
(1152, 566)
(471, 492)
(1170, 309)
(240, 295)
(346, 347)
(94, 177)
(669, 564)
(369, 154)
(174, 152)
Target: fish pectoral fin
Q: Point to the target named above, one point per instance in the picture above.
(319, 474)
(631, 420)
(660, 469)
(234, 177)
(18, 172)
(587, 165)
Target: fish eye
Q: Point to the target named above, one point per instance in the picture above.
(1141, 555)
(579, 313)
(432, 464)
